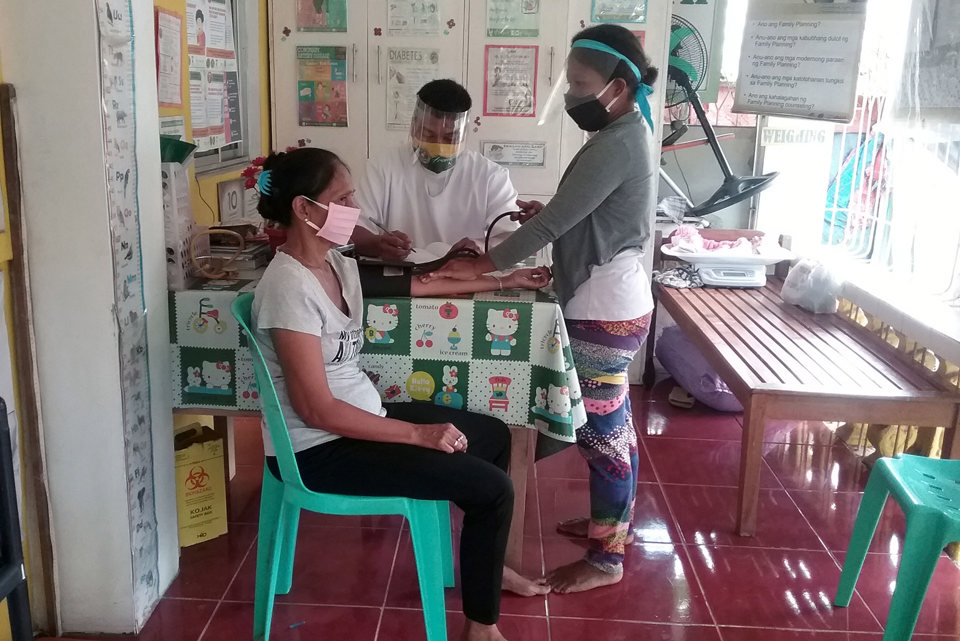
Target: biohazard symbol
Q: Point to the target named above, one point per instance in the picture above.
(197, 478)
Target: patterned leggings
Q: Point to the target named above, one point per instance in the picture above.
(602, 351)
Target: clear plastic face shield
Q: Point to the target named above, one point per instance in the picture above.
(589, 91)
(437, 136)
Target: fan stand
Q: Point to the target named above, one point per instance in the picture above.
(734, 188)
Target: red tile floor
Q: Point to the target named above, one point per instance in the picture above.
(688, 577)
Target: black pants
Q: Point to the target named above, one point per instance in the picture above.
(476, 481)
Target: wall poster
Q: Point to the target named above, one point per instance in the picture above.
(513, 18)
(408, 69)
(123, 210)
(619, 11)
(801, 60)
(322, 15)
(175, 126)
(510, 80)
(169, 56)
(211, 54)
(515, 153)
(405, 18)
(322, 86)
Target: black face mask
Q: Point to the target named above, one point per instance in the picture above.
(589, 116)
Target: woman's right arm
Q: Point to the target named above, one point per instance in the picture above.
(301, 360)
(589, 180)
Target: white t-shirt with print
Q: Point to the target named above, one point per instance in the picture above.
(290, 297)
(399, 193)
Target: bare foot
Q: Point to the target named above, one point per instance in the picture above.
(580, 576)
(473, 631)
(519, 584)
(580, 527)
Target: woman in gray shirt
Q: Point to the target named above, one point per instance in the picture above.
(599, 224)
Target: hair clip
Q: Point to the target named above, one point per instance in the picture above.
(264, 181)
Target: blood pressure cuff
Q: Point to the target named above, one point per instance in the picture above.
(384, 281)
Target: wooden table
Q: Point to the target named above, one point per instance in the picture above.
(782, 362)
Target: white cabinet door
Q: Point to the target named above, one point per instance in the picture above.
(508, 103)
(318, 88)
(409, 43)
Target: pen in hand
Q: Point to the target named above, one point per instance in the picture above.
(385, 230)
(379, 226)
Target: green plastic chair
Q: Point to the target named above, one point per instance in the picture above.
(928, 491)
(281, 502)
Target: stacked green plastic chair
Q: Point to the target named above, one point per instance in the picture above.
(928, 490)
(281, 502)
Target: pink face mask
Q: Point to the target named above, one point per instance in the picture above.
(340, 222)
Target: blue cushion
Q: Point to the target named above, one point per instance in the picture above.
(691, 371)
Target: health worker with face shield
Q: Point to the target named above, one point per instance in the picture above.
(599, 224)
(432, 189)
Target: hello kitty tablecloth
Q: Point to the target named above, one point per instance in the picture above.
(505, 354)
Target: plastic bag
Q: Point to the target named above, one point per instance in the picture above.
(812, 286)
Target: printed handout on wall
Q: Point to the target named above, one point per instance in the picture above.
(408, 69)
(513, 18)
(619, 11)
(214, 100)
(211, 50)
(510, 87)
(322, 86)
(169, 28)
(321, 15)
(515, 154)
(414, 18)
(196, 30)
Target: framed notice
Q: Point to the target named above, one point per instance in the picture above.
(801, 60)
(619, 11)
(510, 80)
(413, 18)
(513, 18)
(322, 15)
(515, 154)
(322, 86)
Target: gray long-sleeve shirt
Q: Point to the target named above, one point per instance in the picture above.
(603, 205)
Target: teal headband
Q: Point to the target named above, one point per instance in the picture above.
(642, 91)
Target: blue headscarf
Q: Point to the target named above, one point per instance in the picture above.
(643, 90)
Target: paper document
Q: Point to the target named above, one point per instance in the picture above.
(433, 251)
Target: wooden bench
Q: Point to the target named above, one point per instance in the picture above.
(783, 362)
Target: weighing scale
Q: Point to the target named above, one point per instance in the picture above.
(722, 268)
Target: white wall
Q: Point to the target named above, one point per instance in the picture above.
(50, 53)
(153, 251)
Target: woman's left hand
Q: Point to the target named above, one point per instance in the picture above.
(528, 278)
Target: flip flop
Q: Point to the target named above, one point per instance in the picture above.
(679, 397)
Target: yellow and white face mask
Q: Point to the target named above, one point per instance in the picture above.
(438, 157)
(437, 137)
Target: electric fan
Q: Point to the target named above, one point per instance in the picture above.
(685, 73)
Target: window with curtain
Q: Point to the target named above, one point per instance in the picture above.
(883, 189)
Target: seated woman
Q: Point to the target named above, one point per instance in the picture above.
(307, 314)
